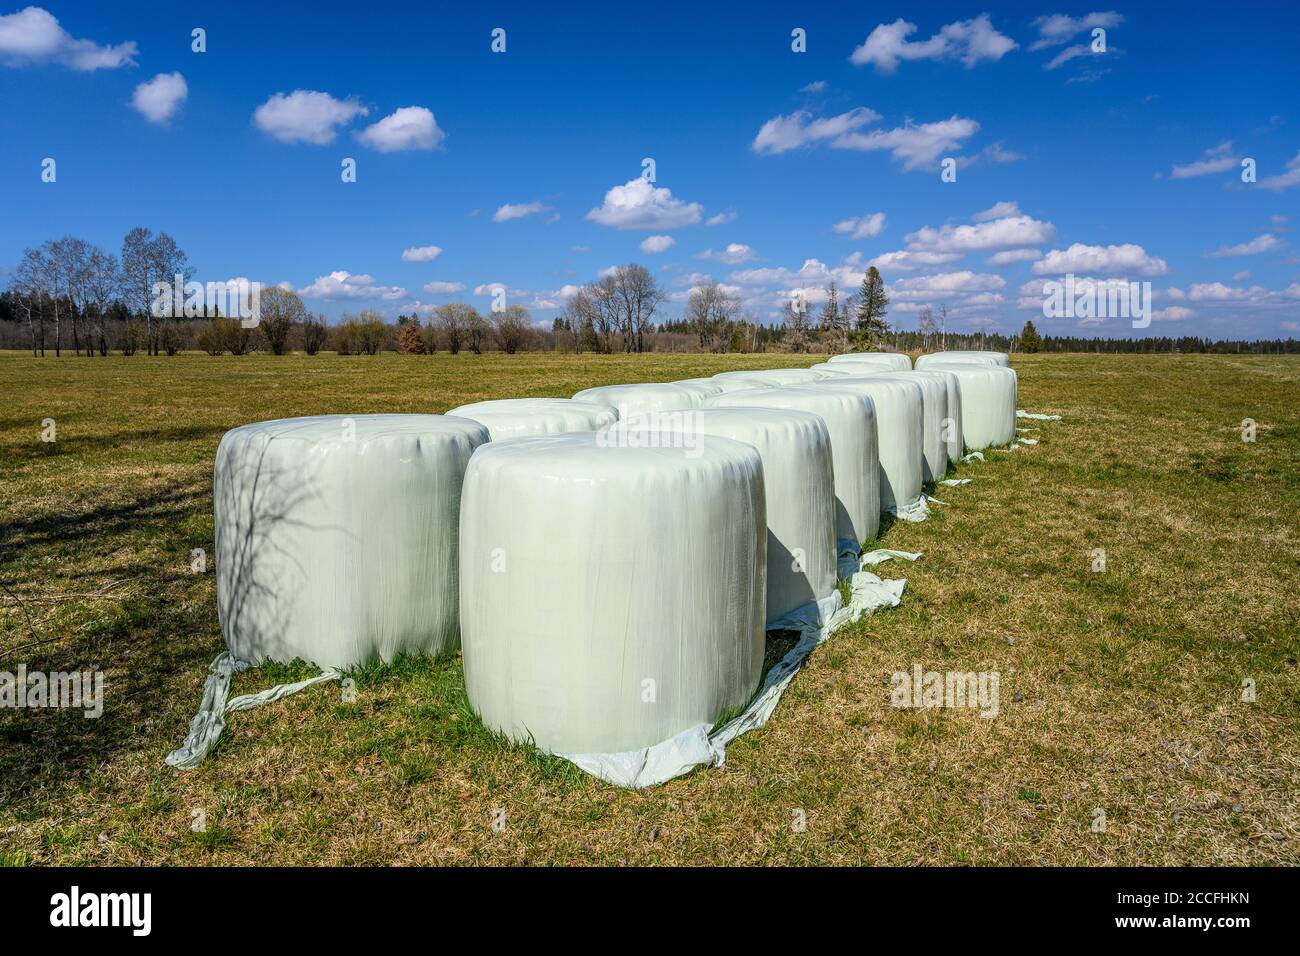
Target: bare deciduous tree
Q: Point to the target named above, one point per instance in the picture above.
(512, 326)
(281, 311)
(712, 310)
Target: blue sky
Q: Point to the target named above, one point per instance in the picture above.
(1116, 165)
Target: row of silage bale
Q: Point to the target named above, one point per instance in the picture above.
(988, 402)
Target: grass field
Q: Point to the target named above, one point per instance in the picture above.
(1120, 690)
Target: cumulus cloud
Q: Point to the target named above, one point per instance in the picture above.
(784, 133)
(654, 244)
(444, 288)
(721, 219)
(340, 286)
(518, 210)
(1263, 243)
(1129, 258)
(970, 41)
(1175, 313)
(909, 260)
(33, 35)
(421, 253)
(963, 281)
(1286, 179)
(999, 210)
(817, 86)
(411, 127)
(990, 234)
(913, 144)
(157, 100)
(733, 255)
(305, 116)
(1216, 159)
(862, 227)
(639, 204)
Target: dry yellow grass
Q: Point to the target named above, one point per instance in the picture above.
(1119, 691)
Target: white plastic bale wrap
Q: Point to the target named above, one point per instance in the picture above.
(336, 537)
(900, 428)
(526, 417)
(638, 399)
(850, 419)
(966, 358)
(885, 360)
(795, 448)
(956, 445)
(988, 403)
(611, 597)
(937, 423)
(763, 377)
(828, 371)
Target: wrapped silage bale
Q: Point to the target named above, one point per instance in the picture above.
(850, 419)
(525, 417)
(955, 444)
(759, 378)
(973, 357)
(988, 403)
(828, 371)
(936, 421)
(900, 428)
(639, 399)
(336, 536)
(703, 387)
(883, 360)
(798, 479)
(612, 597)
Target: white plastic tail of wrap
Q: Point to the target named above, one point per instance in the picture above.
(336, 537)
(850, 419)
(611, 597)
(890, 361)
(526, 417)
(938, 421)
(964, 357)
(988, 403)
(900, 427)
(956, 445)
(638, 399)
(795, 448)
(762, 378)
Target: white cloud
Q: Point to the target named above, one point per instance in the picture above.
(344, 285)
(639, 204)
(969, 41)
(908, 260)
(1129, 258)
(963, 281)
(581, 249)
(411, 127)
(1175, 313)
(305, 116)
(654, 244)
(33, 35)
(1240, 276)
(999, 210)
(1058, 28)
(784, 133)
(518, 210)
(157, 100)
(1218, 292)
(862, 227)
(1287, 179)
(444, 288)
(913, 144)
(1263, 243)
(1216, 159)
(991, 234)
(1011, 256)
(817, 86)
(733, 255)
(421, 253)
(721, 219)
